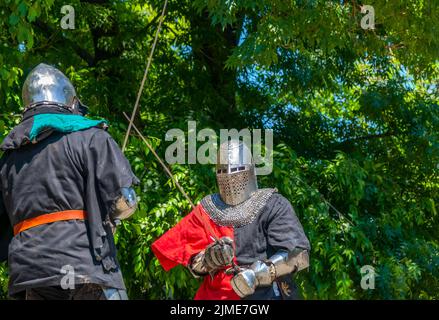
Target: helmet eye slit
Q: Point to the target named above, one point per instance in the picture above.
(235, 173)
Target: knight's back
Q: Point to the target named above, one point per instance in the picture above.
(63, 182)
(44, 177)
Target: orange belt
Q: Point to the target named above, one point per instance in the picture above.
(49, 218)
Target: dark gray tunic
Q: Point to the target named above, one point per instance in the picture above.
(82, 170)
(276, 228)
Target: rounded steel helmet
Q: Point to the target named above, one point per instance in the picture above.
(235, 172)
(46, 85)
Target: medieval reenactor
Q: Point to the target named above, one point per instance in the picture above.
(246, 242)
(65, 185)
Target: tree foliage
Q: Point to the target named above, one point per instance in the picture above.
(354, 113)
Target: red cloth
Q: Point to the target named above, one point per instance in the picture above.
(189, 237)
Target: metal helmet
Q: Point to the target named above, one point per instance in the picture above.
(46, 85)
(235, 172)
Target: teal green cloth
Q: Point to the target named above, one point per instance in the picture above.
(62, 123)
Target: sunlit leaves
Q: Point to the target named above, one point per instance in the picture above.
(355, 115)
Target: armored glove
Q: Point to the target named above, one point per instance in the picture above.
(216, 256)
(263, 273)
(125, 206)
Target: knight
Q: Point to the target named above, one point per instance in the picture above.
(245, 242)
(65, 186)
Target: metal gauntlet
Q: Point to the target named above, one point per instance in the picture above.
(263, 273)
(216, 256)
(125, 205)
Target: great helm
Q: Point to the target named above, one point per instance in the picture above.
(235, 172)
(46, 85)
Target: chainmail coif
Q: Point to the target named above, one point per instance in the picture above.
(240, 215)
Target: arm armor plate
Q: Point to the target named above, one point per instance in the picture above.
(280, 264)
(263, 273)
(125, 205)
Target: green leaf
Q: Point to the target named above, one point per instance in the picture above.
(22, 9)
(13, 19)
(34, 12)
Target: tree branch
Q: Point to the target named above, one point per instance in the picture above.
(371, 136)
(49, 32)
